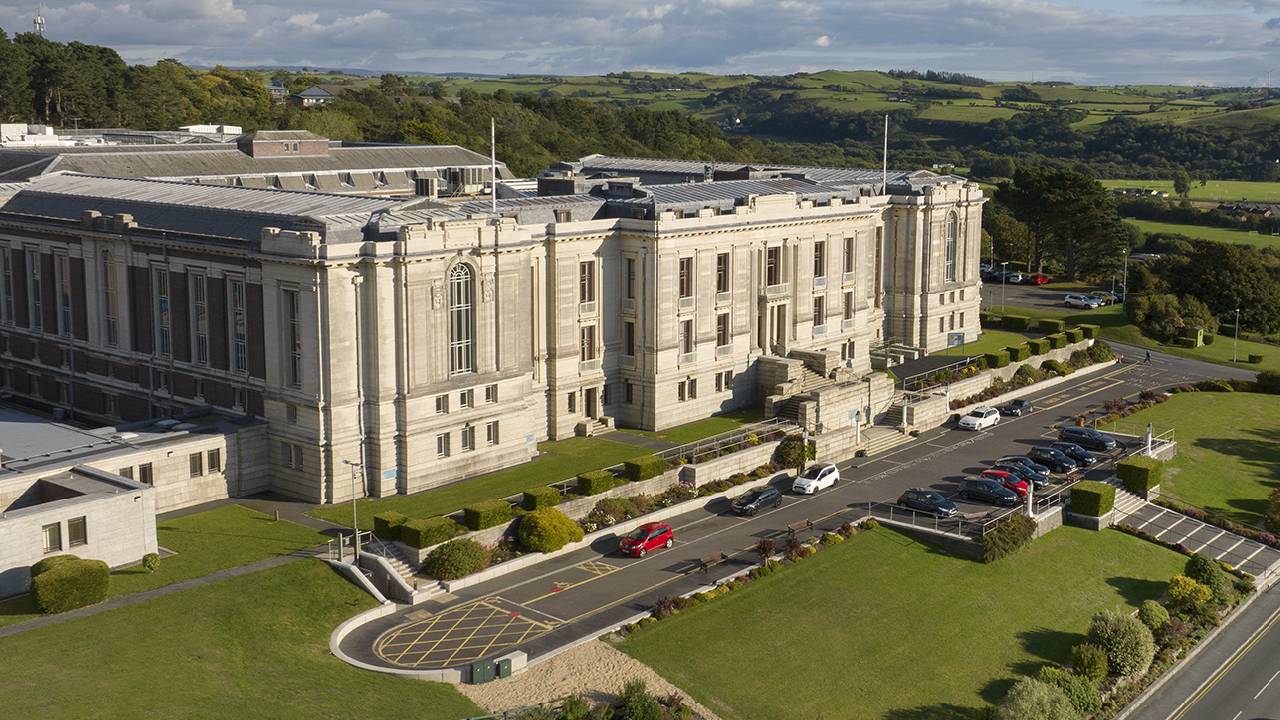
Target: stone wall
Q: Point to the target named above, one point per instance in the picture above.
(972, 386)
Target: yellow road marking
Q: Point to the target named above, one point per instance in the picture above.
(492, 611)
(1222, 671)
(563, 586)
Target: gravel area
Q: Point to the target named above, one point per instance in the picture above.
(595, 670)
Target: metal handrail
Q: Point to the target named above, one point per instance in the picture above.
(717, 442)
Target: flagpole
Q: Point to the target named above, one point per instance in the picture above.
(884, 172)
(493, 166)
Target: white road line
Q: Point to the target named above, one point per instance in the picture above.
(1233, 547)
(1207, 544)
(1264, 687)
(1175, 524)
(1238, 714)
(1255, 552)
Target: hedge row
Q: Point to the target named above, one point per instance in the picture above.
(386, 525)
(1007, 537)
(1018, 353)
(1090, 331)
(1039, 346)
(997, 359)
(486, 514)
(1051, 325)
(66, 582)
(596, 482)
(425, 532)
(1094, 499)
(642, 468)
(1075, 335)
(540, 497)
(1139, 473)
(1057, 341)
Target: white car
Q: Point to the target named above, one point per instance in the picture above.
(1087, 302)
(980, 418)
(817, 477)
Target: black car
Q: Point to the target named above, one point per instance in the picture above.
(1053, 459)
(1039, 481)
(1026, 462)
(756, 500)
(1017, 408)
(1087, 438)
(988, 491)
(927, 501)
(1083, 457)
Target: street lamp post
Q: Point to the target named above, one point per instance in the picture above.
(355, 524)
(1124, 284)
(1236, 340)
(1004, 278)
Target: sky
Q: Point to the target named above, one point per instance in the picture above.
(1208, 42)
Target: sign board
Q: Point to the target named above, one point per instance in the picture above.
(955, 339)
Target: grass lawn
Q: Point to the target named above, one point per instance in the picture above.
(1203, 232)
(700, 429)
(1215, 190)
(255, 646)
(205, 542)
(1228, 458)
(885, 627)
(990, 341)
(560, 460)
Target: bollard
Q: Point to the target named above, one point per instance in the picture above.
(277, 515)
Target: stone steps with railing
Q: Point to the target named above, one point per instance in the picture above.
(878, 439)
(1126, 502)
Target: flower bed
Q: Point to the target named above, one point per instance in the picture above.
(1027, 375)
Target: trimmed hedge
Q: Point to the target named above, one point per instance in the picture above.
(68, 583)
(642, 468)
(1007, 537)
(547, 530)
(1091, 498)
(386, 525)
(486, 514)
(1090, 331)
(1185, 342)
(1016, 322)
(1055, 367)
(1139, 473)
(1255, 359)
(1039, 346)
(997, 359)
(596, 482)
(1018, 353)
(425, 532)
(1057, 341)
(1209, 338)
(540, 497)
(456, 559)
(1051, 325)
(1075, 335)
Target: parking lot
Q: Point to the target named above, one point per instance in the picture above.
(1247, 555)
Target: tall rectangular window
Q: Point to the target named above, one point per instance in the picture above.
(293, 337)
(6, 285)
(629, 339)
(686, 277)
(468, 438)
(587, 342)
(850, 253)
(773, 266)
(723, 272)
(630, 279)
(239, 326)
(848, 306)
(819, 310)
(442, 445)
(52, 537)
(820, 259)
(34, 291)
(195, 463)
(200, 318)
(145, 475)
(110, 301)
(467, 399)
(686, 336)
(722, 329)
(491, 433)
(491, 393)
(164, 340)
(877, 267)
(215, 460)
(62, 268)
(587, 281)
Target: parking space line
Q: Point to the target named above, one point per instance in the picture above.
(1255, 552)
(1210, 542)
(1230, 549)
(1175, 524)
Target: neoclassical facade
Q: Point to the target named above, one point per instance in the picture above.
(393, 345)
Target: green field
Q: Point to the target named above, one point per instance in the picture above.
(560, 460)
(991, 341)
(885, 627)
(255, 646)
(1213, 190)
(1228, 450)
(700, 429)
(1205, 232)
(205, 542)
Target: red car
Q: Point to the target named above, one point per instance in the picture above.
(1007, 480)
(1036, 279)
(649, 536)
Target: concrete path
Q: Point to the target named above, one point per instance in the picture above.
(291, 510)
(1200, 537)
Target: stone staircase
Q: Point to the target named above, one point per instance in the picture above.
(399, 562)
(1126, 502)
(810, 380)
(790, 408)
(894, 415)
(878, 439)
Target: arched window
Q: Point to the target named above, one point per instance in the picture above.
(950, 238)
(462, 295)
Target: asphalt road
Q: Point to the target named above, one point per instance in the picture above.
(1032, 296)
(580, 594)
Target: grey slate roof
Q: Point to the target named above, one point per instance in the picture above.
(649, 168)
(281, 135)
(315, 92)
(541, 209)
(728, 190)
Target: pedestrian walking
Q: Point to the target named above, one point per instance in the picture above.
(1148, 360)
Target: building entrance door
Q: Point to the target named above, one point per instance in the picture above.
(592, 411)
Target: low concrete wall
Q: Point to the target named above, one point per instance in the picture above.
(972, 386)
(1035, 387)
(1050, 519)
(352, 573)
(340, 633)
(1089, 522)
(732, 464)
(386, 579)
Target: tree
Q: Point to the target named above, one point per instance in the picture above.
(1191, 598)
(1030, 699)
(1181, 182)
(1226, 277)
(1071, 219)
(1128, 643)
(15, 82)
(330, 124)
(1206, 570)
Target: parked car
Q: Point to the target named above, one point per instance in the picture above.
(1087, 438)
(1036, 279)
(817, 477)
(1024, 461)
(1015, 278)
(1028, 476)
(980, 418)
(985, 268)
(1107, 298)
(1087, 302)
(1007, 479)
(928, 501)
(649, 536)
(1017, 408)
(1083, 457)
(756, 500)
(987, 490)
(1055, 460)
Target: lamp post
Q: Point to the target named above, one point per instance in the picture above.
(355, 525)
(1124, 284)
(1004, 279)
(1236, 340)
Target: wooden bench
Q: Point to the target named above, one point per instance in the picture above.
(796, 527)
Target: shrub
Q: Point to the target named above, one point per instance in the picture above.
(1208, 339)
(1019, 352)
(486, 514)
(792, 452)
(1128, 643)
(1208, 572)
(456, 559)
(1057, 341)
(68, 583)
(1075, 335)
(1100, 351)
(386, 525)
(871, 524)
(1090, 331)
(1007, 537)
(151, 562)
(425, 532)
(540, 497)
(1191, 598)
(642, 468)
(1055, 367)
(1039, 346)
(1082, 693)
(1255, 359)
(1139, 473)
(1051, 325)
(832, 538)
(1091, 498)
(997, 359)
(547, 530)
(596, 482)
(1090, 661)
(1153, 615)
(1016, 322)
(638, 704)
(1268, 381)
(1030, 699)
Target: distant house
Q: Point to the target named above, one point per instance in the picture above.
(1139, 192)
(279, 93)
(314, 95)
(1244, 210)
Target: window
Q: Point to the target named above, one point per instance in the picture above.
(291, 413)
(442, 404)
(126, 472)
(630, 279)
(587, 281)
(491, 393)
(468, 438)
(491, 433)
(293, 337)
(686, 336)
(587, 342)
(467, 399)
(820, 259)
(942, 325)
(877, 269)
(724, 381)
(952, 322)
(77, 532)
(722, 272)
(215, 460)
(52, 537)
(239, 326)
(110, 302)
(848, 306)
(6, 285)
(239, 398)
(961, 321)
(164, 340)
(199, 319)
(819, 310)
(686, 277)
(680, 391)
(292, 455)
(629, 339)
(950, 238)
(773, 266)
(564, 216)
(442, 445)
(461, 319)
(628, 392)
(693, 388)
(162, 380)
(573, 402)
(195, 461)
(34, 291)
(604, 394)
(722, 330)
(144, 474)
(850, 253)
(62, 268)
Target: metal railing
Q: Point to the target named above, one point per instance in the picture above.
(972, 527)
(917, 382)
(698, 450)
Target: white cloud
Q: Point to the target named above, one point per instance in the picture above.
(822, 41)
